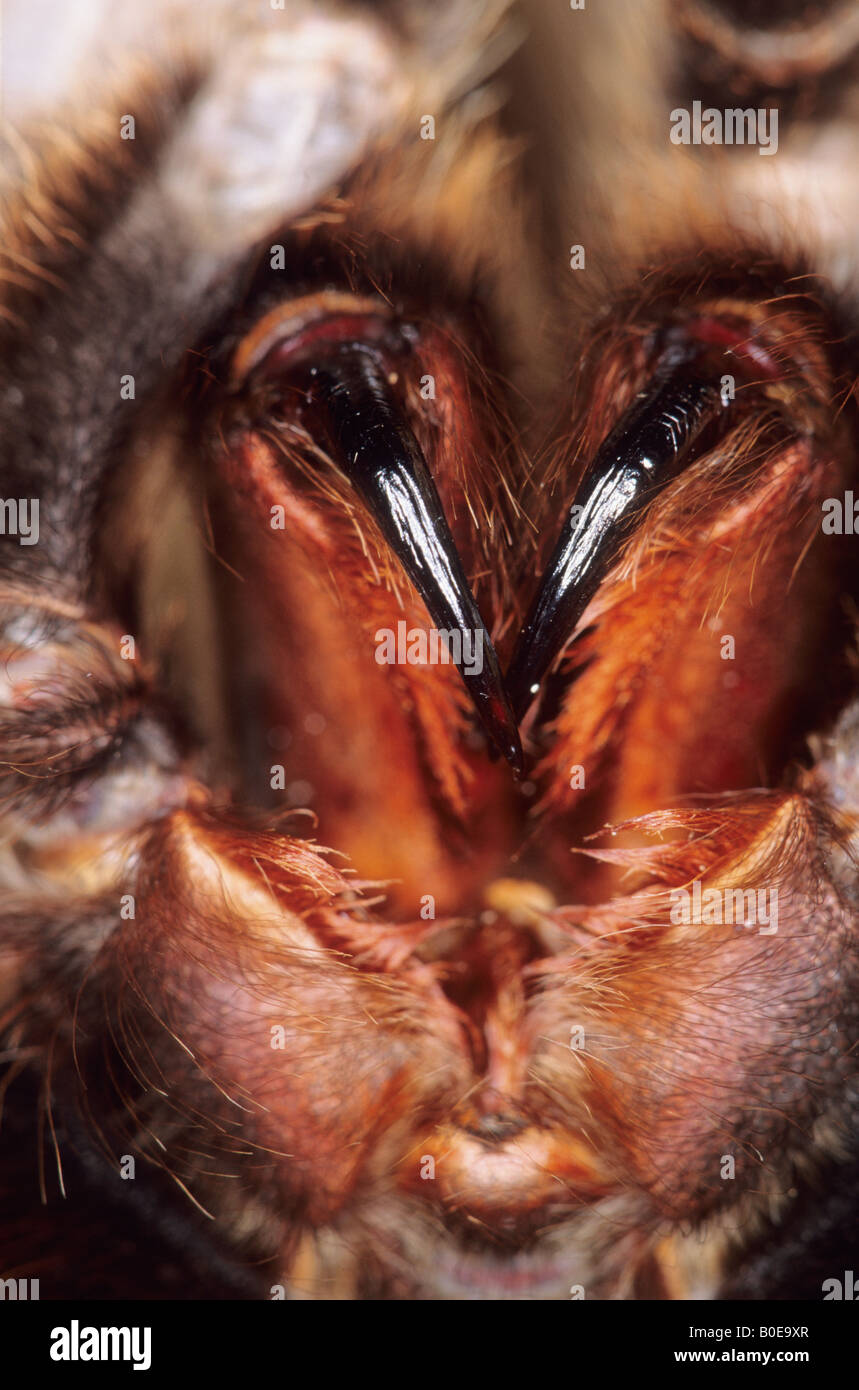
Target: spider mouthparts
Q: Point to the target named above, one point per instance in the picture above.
(644, 452)
(380, 455)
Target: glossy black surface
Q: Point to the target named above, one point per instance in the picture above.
(644, 452)
(378, 452)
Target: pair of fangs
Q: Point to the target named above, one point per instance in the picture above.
(379, 453)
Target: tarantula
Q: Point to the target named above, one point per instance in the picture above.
(428, 713)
